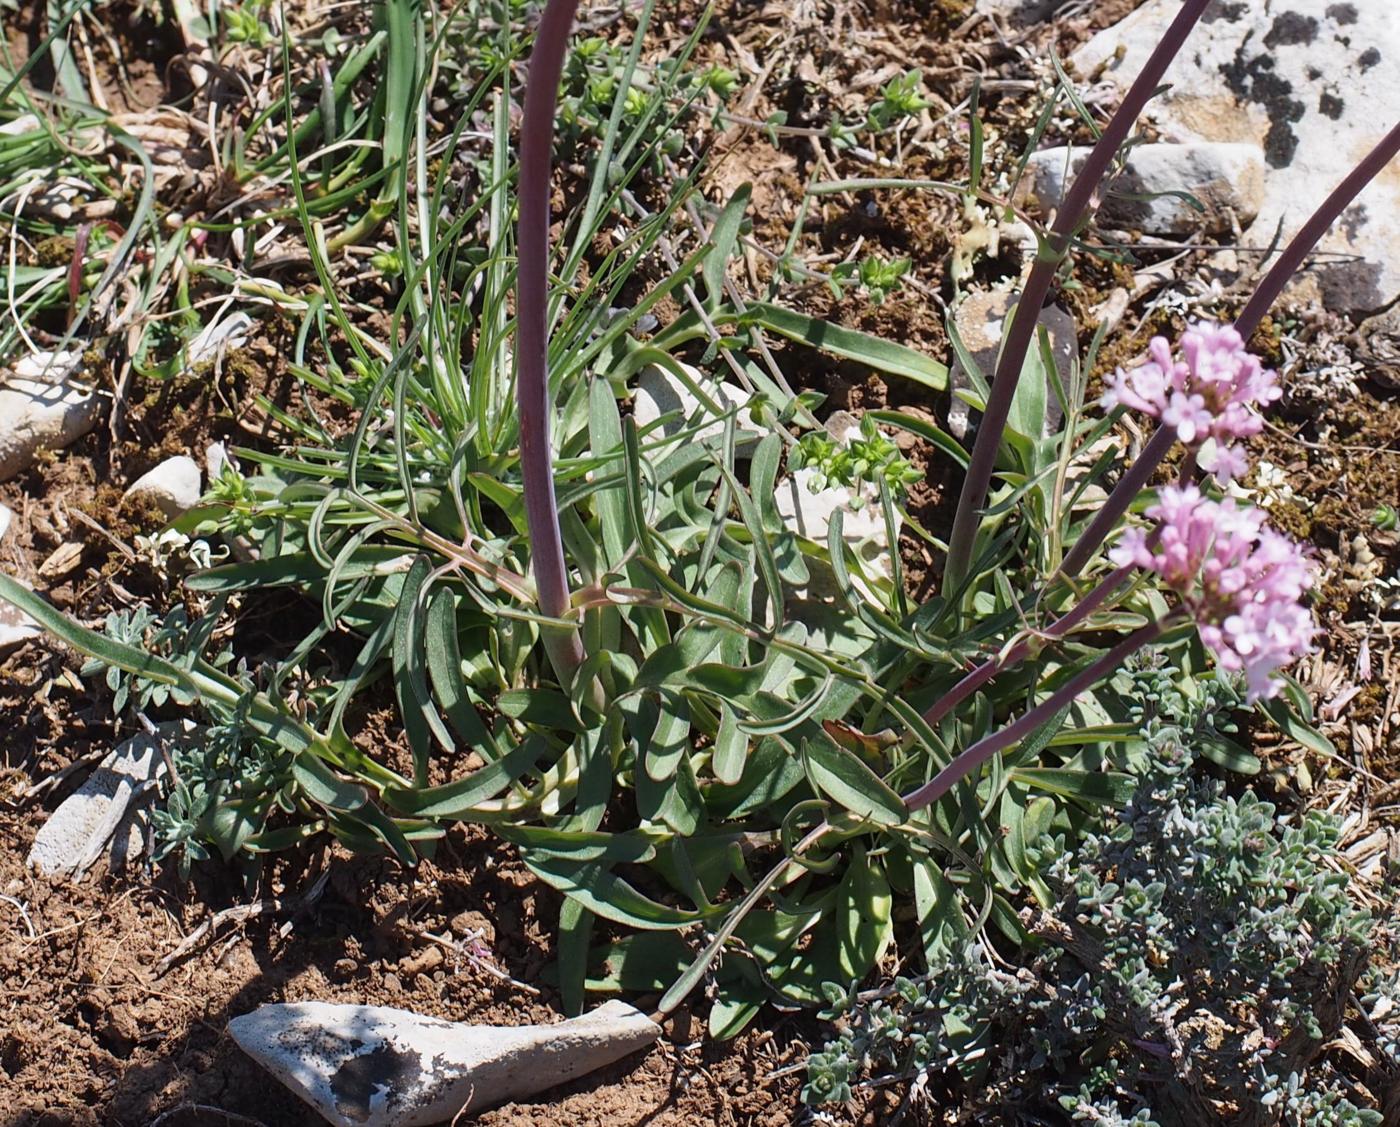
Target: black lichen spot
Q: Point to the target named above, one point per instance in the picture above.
(1369, 58)
(1351, 287)
(1256, 81)
(1221, 11)
(1329, 105)
(1352, 220)
(1291, 29)
(1313, 74)
(358, 1080)
(1342, 14)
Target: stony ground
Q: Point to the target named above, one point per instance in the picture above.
(108, 1016)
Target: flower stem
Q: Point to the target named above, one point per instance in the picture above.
(563, 645)
(988, 746)
(1291, 260)
(1020, 650)
(1265, 295)
(1050, 255)
(1134, 478)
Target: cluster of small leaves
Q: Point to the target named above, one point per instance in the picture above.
(227, 780)
(1316, 1105)
(246, 23)
(173, 637)
(870, 457)
(590, 89)
(1216, 933)
(1202, 933)
(1084, 1107)
(876, 277)
(937, 1022)
(1380, 998)
(1179, 717)
(900, 99)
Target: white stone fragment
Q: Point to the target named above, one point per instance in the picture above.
(659, 392)
(103, 815)
(1225, 178)
(173, 486)
(6, 516)
(1313, 83)
(1019, 11)
(15, 627)
(41, 410)
(375, 1066)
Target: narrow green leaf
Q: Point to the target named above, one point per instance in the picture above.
(851, 344)
(843, 778)
(723, 237)
(731, 747)
(322, 786)
(456, 800)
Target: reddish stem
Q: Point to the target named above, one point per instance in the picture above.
(1052, 252)
(563, 645)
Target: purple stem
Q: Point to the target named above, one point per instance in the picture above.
(989, 745)
(1052, 252)
(1291, 260)
(563, 645)
(1018, 652)
(1134, 478)
(1286, 265)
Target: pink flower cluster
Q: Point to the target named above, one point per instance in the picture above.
(1212, 394)
(1242, 581)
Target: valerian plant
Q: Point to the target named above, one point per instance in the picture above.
(737, 743)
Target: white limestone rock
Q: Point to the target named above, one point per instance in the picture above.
(1226, 178)
(41, 410)
(6, 516)
(105, 814)
(173, 486)
(376, 1066)
(1313, 83)
(659, 393)
(981, 320)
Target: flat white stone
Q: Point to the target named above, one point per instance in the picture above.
(6, 516)
(41, 410)
(1315, 84)
(105, 809)
(981, 320)
(376, 1066)
(16, 627)
(1224, 177)
(659, 393)
(173, 486)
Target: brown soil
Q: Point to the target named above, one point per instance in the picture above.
(91, 1033)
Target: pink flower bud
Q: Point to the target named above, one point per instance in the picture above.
(1242, 581)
